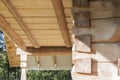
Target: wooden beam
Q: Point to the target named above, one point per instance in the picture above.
(58, 6)
(22, 24)
(49, 51)
(11, 52)
(9, 31)
(118, 66)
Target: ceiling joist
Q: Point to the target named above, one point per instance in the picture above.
(9, 31)
(22, 24)
(58, 6)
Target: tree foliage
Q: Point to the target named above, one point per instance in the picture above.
(49, 75)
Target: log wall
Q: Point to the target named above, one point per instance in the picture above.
(96, 40)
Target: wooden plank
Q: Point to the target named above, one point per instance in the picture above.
(102, 52)
(13, 11)
(98, 11)
(38, 26)
(80, 3)
(41, 32)
(81, 19)
(49, 51)
(103, 71)
(38, 20)
(83, 66)
(9, 31)
(105, 76)
(35, 12)
(2, 6)
(43, 37)
(6, 13)
(118, 66)
(104, 67)
(58, 6)
(82, 43)
(39, 4)
(11, 52)
(57, 43)
(109, 10)
(106, 30)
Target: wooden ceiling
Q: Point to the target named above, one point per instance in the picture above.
(37, 22)
(40, 27)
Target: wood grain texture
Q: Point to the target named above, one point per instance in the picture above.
(104, 74)
(101, 30)
(18, 18)
(82, 43)
(58, 6)
(83, 66)
(46, 51)
(102, 52)
(118, 66)
(14, 60)
(9, 31)
(80, 3)
(39, 4)
(82, 19)
(105, 9)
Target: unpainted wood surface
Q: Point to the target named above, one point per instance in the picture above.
(102, 52)
(106, 30)
(40, 16)
(82, 43)
(14, 60)
(83, 66)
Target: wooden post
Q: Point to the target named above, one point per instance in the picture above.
(23, 74)
(23, 65)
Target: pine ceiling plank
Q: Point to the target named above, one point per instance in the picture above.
(13, 11)
(49, 44)
(42, 32)
(40, 12)
(58, 6)
(35, 12)
(38, 3)
(49, 41)
(40, 26)
(4, 25)
(32, 3)
(36, 20)
(5, 13)
(2, 6)
(44, 37)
